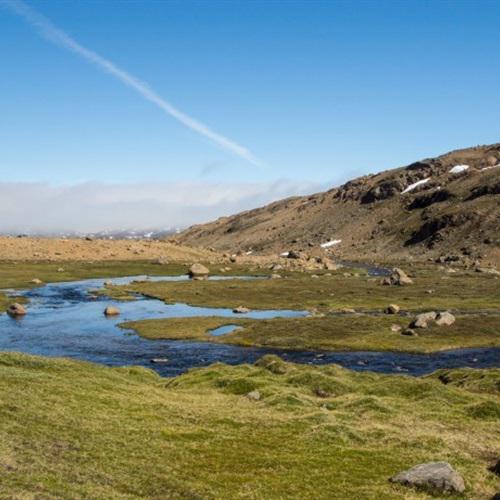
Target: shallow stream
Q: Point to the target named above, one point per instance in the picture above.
(64, 319)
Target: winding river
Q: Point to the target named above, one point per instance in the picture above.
(65, 320)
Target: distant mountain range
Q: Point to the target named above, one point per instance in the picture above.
(119, 234)
(447, 206)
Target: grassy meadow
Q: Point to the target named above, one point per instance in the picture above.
(76, 430)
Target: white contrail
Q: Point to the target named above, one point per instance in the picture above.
(48, 31)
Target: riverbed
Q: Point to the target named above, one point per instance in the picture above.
(67, 320)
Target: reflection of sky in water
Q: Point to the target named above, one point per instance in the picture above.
(63, 320)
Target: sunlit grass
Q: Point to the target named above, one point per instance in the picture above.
(72, 429)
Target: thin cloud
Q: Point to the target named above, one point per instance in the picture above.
(89, 207)
(53, 34)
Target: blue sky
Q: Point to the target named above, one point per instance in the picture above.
(319, 91)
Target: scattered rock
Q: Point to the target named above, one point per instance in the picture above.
(16, 309)
(347, 310)
(392, 309)
(491, 161)
(398, 277)
(292, 254)
(36, 281)
(276, 267)
(111, 311)
(445, 318)
(433, 475)
(198, 272)
(275, 276)
(395, 328)
(329, 265)
(422, 320)
(321, 393)
(60, 270)
(241, 310)
(495, 468)
(254, 395)
(409, 332)
(488, 270)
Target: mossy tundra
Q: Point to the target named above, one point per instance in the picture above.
(77, 430)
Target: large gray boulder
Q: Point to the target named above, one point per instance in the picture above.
(438, 476)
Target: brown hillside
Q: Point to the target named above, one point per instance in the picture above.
(450, 214)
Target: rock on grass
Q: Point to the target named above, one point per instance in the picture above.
(438, 476)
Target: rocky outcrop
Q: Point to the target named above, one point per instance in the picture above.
(371, 217)
(384, 190)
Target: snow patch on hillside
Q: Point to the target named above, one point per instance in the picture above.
(411, 187)
(331, 243)
(458, 169)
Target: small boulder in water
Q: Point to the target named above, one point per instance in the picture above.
(111, 311)
(241, 310)
(159, 360)
(16, 309)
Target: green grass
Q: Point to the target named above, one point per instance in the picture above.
(77, 430)
(358, 332)
(464, 291)
(461, 291)
(191, 328)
